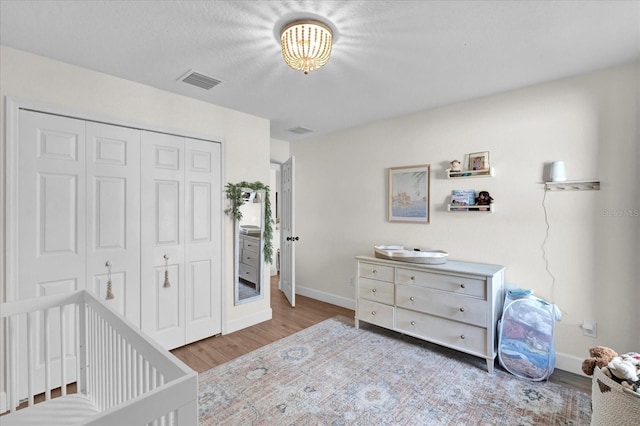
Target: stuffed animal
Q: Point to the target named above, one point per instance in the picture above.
(623, 369)
(455, 166)
(483, 198)
(599, 356)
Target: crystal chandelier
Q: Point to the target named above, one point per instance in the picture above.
(306, 44)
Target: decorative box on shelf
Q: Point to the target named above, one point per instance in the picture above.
(469, 173)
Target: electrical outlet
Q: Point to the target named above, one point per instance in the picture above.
(351, 281)
(589, 329)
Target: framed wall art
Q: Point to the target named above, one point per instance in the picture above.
(409, 194)
(479, 161)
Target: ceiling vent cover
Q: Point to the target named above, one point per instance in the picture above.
(300, 130)
(199, 80)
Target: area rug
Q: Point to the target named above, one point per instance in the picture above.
(335, 374)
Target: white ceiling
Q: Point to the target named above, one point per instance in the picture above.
(390, 58)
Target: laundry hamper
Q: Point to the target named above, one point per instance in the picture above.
(612, 403)
(526, 335)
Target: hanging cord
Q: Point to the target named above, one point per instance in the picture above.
(110, 294)
(543, 248)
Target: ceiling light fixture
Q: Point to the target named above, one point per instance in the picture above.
(306, 44)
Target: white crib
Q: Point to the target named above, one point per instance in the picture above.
(122, 377)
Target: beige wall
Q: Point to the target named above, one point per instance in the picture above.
(590, 122)
(245, 138)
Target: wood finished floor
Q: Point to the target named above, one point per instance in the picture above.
(211, 352)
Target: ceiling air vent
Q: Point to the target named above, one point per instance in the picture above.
(199, 80)
(300, 130)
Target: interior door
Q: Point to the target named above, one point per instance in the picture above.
(162, 238)
(113, 216)
(51, 229)
(287, 235)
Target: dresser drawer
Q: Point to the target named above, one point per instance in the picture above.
(249, 257)
(250, 245)
(379, 291)
(375, 313)
(456, 284)
(449, 305)
(248, 273)
(375, 272)
(449, 333)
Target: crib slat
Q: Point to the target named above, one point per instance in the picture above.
(81, 348)
(63, 346)
(29, 360)
(47, 356)
(12, 362)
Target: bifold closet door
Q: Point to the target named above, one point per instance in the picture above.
(113, 216)
(162, 242)
(203, 240)
(78, 208)
(180, 199)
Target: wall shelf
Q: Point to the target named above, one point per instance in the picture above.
(470, 173)
(573, 185)
(471, 209)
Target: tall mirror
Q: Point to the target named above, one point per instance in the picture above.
(249, 247)
(250, 207)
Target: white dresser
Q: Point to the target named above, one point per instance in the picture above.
(456, 304)
(249, 258)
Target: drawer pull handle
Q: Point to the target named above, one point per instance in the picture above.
(462, 336)
(463, 286)
(462, 309)
(412, 277)
(413, 323)
(412, 298)
(373, 312)
(375, 271)
(373, 290)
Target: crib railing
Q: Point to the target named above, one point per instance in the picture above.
(51, 341)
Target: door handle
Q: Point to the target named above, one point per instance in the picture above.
(293, 238)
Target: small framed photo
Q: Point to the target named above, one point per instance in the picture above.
(409, 194)
(479, 161)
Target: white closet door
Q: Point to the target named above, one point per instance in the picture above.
(162, 234)
(113, 216)
(203, 240)
(51, 228)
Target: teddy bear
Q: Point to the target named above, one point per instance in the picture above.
(483, 198)
(599, 356)
(455, 166)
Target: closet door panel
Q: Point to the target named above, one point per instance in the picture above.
(113, 216)
(203, 245)
(51, 202)
(50, 229)
(162, 238)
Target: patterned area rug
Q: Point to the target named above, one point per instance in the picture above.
(333, 374)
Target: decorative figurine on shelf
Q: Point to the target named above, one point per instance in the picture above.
(455, 166)
(483, 198)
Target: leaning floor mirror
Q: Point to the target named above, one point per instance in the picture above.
(252, 237)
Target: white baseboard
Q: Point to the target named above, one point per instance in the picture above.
(570, 363)
(248, 321)
(326, 297)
